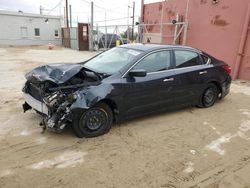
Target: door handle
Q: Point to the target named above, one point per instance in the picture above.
(203, 72)
(168, 80)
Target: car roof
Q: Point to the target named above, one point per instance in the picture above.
(150, 47)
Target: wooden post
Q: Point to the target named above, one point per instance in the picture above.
(176, 28)
(184, 42)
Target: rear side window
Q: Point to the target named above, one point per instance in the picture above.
(186, 59)
(158, 61)
(205, 59)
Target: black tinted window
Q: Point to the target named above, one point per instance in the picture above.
(186, 59)
(158, 61)
(205, 59)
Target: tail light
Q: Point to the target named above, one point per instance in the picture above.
(227, 68)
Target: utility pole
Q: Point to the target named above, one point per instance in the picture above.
(141, 22)
(60, 13)
(91, 27)
(70, 16)
(184, 42)
(128, 24)
(105, 30)
(133, 20)
(142, 11)
(64, 16)
(67, 16)
(162, 9)
(41, 10)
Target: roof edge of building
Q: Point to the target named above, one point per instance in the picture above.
(12, 13)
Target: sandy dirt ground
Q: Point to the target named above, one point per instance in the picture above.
(192, 147)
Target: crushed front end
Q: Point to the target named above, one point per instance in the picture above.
(59, 113)
(54, 106)
(52, 90)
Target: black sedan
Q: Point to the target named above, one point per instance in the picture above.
(123, 83)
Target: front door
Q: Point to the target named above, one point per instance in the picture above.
(153, 92)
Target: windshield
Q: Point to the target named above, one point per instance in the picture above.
(112, 60)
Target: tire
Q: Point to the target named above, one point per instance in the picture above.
(209, 96)
(96, 121)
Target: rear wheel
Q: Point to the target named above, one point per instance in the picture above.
(94, 122)
(209, 96)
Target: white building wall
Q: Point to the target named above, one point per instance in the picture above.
(11, 24)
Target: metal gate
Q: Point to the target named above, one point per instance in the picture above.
(165, 33)
(66, 37)
(106, 37)
(175, 32)
(74, 38)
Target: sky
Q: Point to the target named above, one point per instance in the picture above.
(116, 10)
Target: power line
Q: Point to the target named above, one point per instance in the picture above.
(103, 9)
(123, 18)
(86, 1)
(100, 7)
(84, 12)
(58, 4)
(120, 4)
(113, 19)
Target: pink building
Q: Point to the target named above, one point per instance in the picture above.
(219, 27)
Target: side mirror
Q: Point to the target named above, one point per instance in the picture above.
(138, 73)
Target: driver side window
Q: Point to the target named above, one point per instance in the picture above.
(158, 61)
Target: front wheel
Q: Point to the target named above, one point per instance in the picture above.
(209, 96)
(94, 122)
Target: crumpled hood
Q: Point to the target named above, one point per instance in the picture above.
(57, 73)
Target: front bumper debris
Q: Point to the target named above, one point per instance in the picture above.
(35, 104)
(55, 107)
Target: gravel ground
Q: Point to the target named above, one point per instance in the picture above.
(191, 147)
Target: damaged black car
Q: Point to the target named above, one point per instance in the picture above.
(123, 83)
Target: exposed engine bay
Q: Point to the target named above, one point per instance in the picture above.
(57, 87)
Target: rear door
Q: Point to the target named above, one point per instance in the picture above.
(192, 73)
(155, 91)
